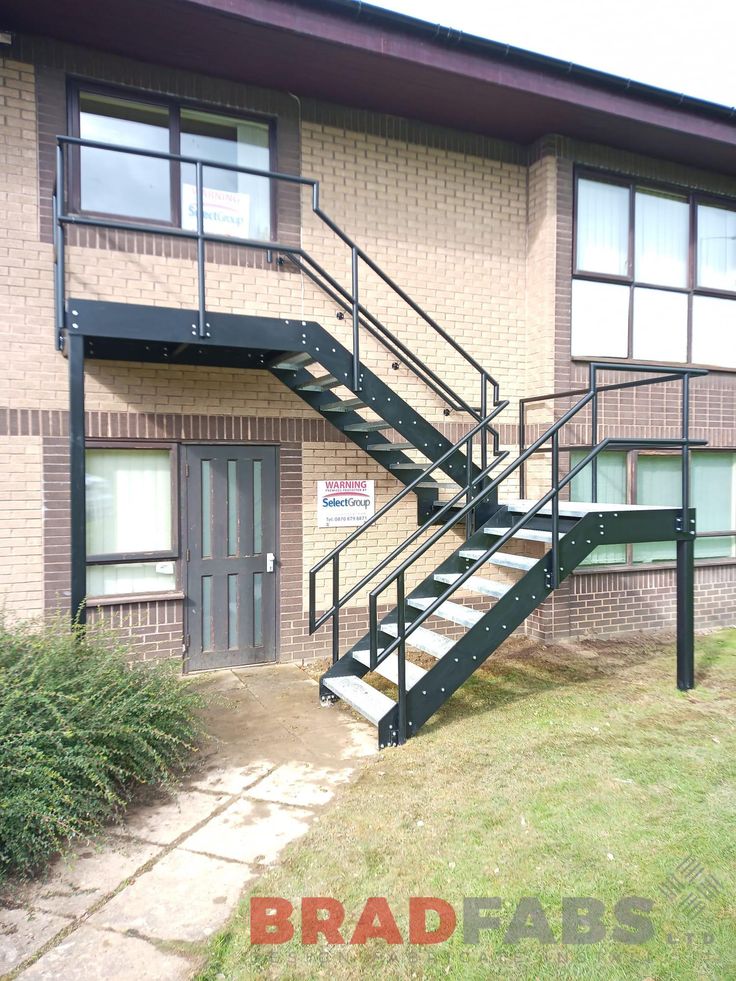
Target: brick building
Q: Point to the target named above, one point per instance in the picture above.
(543, 216)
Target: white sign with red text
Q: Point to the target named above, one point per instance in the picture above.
(343, 502)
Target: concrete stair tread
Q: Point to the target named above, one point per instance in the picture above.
(291, 362)
(524, 534)
(389, 668)
(476, 584)
(343, 405)
(422, 639)
(367, 427)
(501, 558)
(369, 702)
(321, 384)
(455, 612)
(390, 447)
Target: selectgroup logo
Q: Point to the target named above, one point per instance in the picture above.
(344, 502)
(431, 920)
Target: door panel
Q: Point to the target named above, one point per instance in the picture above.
(231, 527)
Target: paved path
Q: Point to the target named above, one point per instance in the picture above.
(139, 905)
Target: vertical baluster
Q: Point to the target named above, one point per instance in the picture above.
(401, 626)
(202, 326)
(555, 509)
(356, 323)
(336, 609)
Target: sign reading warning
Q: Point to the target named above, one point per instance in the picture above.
(344, 502)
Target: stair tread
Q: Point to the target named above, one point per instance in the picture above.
(423, 639)
(390, 447)
(476, 584)
(369, 702)
(527, 534)
(367, 427)
(389, 668)
(292, 361)
(321, 384)
(343, 405)
(500, 558)
(448, 610)
(408, 466)
(578, 509)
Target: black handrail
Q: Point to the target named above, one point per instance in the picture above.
(553, 574)
(62, 218)
(334, 556)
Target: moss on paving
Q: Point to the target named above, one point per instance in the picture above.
(573, 770)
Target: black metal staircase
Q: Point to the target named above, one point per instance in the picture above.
(485, 587)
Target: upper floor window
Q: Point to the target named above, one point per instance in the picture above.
(141, 188)
(654, 275)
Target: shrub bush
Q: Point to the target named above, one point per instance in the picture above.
(79, 729)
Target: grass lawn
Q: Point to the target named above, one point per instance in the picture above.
(566, 771)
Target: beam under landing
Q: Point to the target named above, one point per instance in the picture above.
(166, 335)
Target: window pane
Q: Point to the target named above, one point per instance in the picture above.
(612, 480)
(660, 325)
(716, 248)
(128, 501)
(234, 204)
(257, 507)
(714, 496)
(714, 331)
(232, 507)
(600, 319)
(130, 577)
(659, 483)
(232, 611)
(207, 641)
(602, 231)
(662, 227)
(206, 472)
(121, 183)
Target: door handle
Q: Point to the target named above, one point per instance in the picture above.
(270, 561)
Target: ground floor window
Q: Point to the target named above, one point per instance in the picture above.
(131, 534)
(655, 478)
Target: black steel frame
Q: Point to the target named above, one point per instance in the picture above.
(683, 531)
(347, 299)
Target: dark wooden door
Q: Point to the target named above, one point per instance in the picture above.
(231, 535)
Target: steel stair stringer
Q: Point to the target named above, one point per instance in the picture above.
(380, 398)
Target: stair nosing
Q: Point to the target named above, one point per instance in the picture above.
(488, 588)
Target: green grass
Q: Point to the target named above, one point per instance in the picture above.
(79, 731)
(555, 772)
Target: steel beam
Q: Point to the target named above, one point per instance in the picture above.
(685, 615)
(77, 491)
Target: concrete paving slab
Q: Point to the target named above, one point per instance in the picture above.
(228, 776)
(250, 831)
(185, 896)
(76, 882)
(301, 784)
(22, 933)
(164, 821)
(101, 955)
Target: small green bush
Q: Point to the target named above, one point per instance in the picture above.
(79, 729)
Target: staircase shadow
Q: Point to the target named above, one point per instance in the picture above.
(522, 668)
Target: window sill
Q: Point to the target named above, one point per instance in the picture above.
(129, 599)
